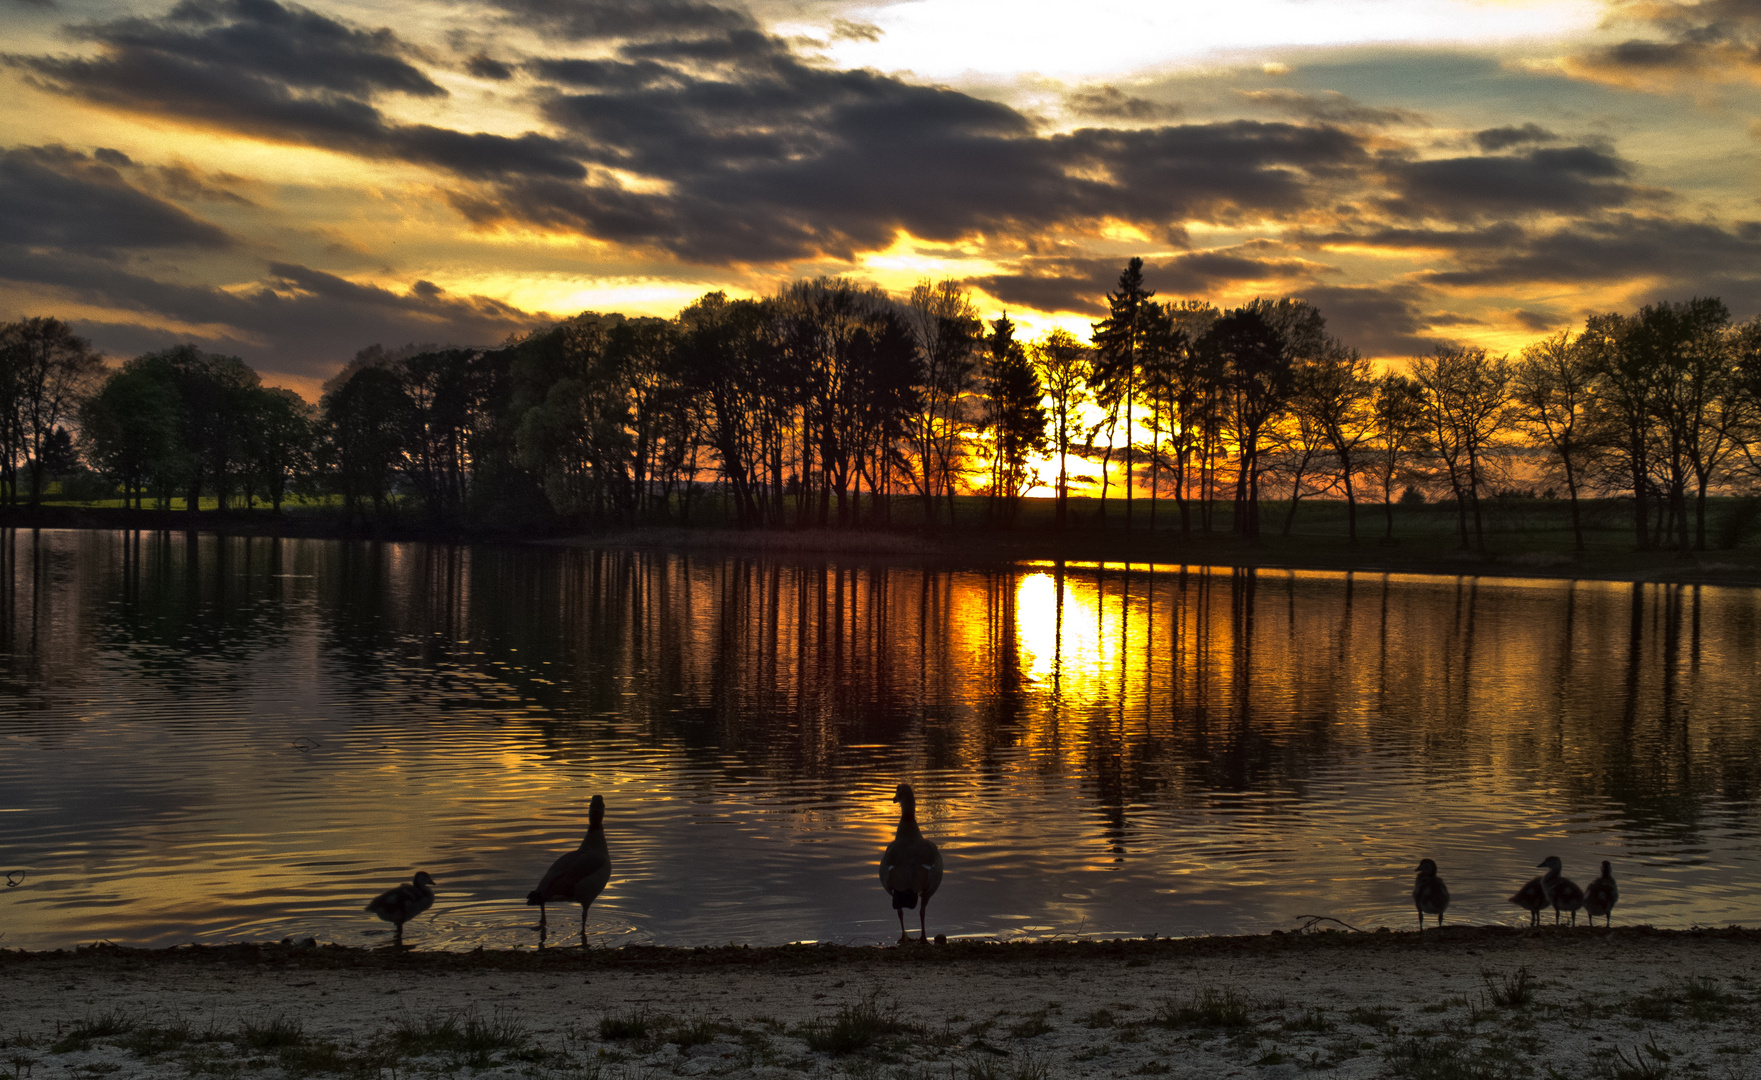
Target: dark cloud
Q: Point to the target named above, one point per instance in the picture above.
(1693, 255)
(1380, 320)
(1330, 107)
(1497, 236)
(1706, 39)
(185, 182)
(763, 157)
(1078, 284)
(485, 66)
(1537, 321)
(293, 46)
(282, 73)
(423, 298)
(583, 20)
(1377, 320)
(111, 157)
(1112, 103)
(1495, 139)
(300, 322)
(1563, 180)
(52, 197)
(605, 75)
(850, 30)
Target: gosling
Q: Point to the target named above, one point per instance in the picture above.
(1429, 894)
(400, 905)
(1601, 895)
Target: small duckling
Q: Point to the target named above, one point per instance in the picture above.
(1562, 892)
(1429, 894)
(1601, 895)
(1532, 897)
(400, 905)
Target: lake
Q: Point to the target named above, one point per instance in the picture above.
(213, 739)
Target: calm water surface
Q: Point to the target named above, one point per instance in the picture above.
(207, 739)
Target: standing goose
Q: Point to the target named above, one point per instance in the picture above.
(400, 905)
(1429, 894)
(1532, 897)
(579, 876)
(1602, 895)
(911, 867)
(1562, 892)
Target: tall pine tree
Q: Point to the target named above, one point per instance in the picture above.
(1119, 342)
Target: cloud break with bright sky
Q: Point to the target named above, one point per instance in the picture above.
(291, 182)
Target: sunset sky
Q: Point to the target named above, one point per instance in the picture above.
(291, 183)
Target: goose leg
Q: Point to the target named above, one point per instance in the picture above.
(397, 935)
(1421, 912)
(903, 935)
(583, 927)
(923, 920)
(543, 926)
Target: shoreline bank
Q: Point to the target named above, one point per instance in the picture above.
(1509, 556)
(1461, 1002)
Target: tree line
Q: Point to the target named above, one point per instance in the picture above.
(831, 403)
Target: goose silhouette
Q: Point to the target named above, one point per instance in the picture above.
(581, 875)
(911, 866)
(400, 905)
(1429, 894)
(1562, 892)
(1601, 895)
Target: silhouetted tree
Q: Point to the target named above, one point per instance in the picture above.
(1551, 391)
(279, 443)
(1685, 347)
(1119, 340)
(947, 330)
(1258, 373)
(368, 417)
(730, 357)
(47, 370)
(1014, 417)
(1397, 419)
(1624, 403)
(132, 432)
(1466, 394)
(1063, 365)
(1335, 392)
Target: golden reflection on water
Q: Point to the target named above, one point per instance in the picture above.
(213, 738)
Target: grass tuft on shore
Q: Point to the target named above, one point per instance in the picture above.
(1447, 1058)
(102, 1025)
(1209, 1008)
(854, 1028)
(630, 1025)
(1512, 991)
(274, 1033)
(468, 1039)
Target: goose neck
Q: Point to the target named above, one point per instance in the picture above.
(908, 821)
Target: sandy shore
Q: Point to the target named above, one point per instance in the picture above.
(1470, 1002)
